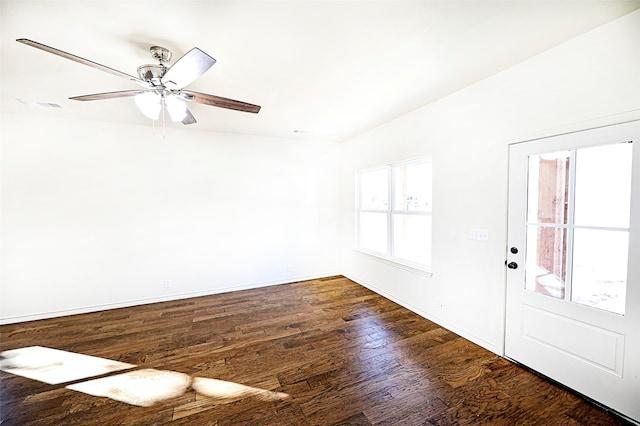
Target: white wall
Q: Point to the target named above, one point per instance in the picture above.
(589, 81)
(96, 215)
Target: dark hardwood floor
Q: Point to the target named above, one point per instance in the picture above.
(343, 355)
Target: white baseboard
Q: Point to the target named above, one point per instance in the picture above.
(475, 339)
(145, 301)
(171, 297)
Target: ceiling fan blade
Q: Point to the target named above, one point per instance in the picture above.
(187, 69)
(79, 60)
(218, 101)
(189, 119)
(107, 95)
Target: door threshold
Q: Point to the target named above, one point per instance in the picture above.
(619, 415)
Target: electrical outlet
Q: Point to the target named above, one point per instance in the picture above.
(168, 284)
(440, 303)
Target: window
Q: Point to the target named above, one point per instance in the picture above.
(394, 212)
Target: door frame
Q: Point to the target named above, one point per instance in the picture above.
(629, 324)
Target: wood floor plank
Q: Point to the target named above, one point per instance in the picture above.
(318, 352)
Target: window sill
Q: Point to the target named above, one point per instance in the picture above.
(398, 263)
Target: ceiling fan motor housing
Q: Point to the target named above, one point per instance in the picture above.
(152, 73)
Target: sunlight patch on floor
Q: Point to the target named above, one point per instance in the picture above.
(54, 366)
(223, 391)
(142, 387)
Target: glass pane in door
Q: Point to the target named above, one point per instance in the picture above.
(578, 216)
(547, 217)
(603, 186)
(548, 186)
(600, 269)
(546, 269)
(601, 234)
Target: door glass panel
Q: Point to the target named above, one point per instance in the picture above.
(548, 203)
(578, 252)
(548, 196)
(603, 185)
(546, 269)
(600, 268)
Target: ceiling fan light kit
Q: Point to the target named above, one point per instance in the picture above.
(163, 86)
(148, 104)
(176, 108)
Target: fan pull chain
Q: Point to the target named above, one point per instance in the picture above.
(164, 127)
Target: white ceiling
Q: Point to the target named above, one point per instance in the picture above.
(320, 69)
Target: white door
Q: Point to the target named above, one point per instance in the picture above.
(573, 255)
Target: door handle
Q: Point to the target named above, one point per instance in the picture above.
(512, 265)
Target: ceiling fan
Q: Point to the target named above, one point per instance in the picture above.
(162, 86)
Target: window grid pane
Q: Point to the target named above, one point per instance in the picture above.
(412, 189)
(412, 237)
(373, 232)
(374, 190)
(394, 212)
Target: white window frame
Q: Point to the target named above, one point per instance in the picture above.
(390, 212)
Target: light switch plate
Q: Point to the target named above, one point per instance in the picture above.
(479, 234)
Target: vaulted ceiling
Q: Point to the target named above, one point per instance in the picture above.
(320, 69)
